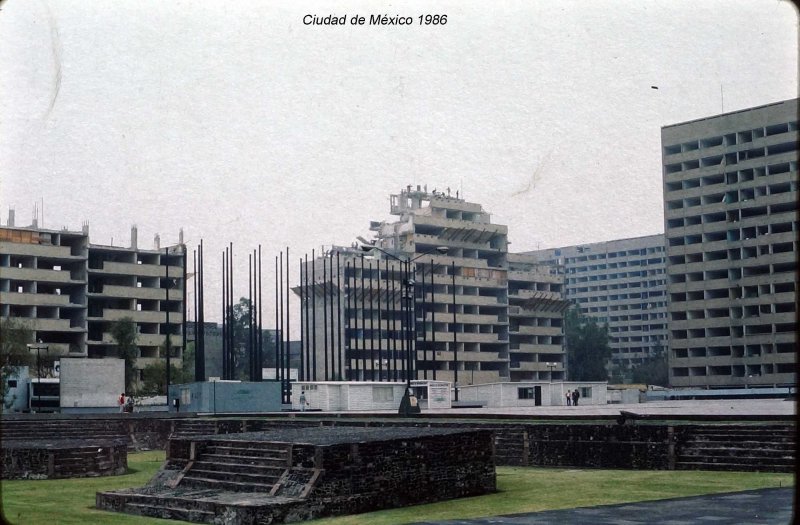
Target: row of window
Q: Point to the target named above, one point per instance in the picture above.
(731, 139)
(611, 255)
(730, 159)
(731, 177)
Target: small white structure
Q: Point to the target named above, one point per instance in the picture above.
(16, 398)
(433, 394)
(533, 393)
(91, 383)
(332, 396)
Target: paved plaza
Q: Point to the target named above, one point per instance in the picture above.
(752, 507)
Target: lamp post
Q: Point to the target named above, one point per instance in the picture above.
(38, 347)
(408, 296)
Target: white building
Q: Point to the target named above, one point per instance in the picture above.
(533, 393)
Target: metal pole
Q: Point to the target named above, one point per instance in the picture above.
(394, 325)
(409, 329)
(167, 327)
(288, 332)
(196, 314)
(371, 327)
(250, 361)
(433, 321)
(283, 349)
(260, 361)
(201, 336)
(302, 373)
(363, 328)
(423, 309)
(455, 339)
(314, 316)
(339, 313)
(231, 324)
(380, 328)
(348, 322)
(325, 315)
(277, 348)
(224, 316)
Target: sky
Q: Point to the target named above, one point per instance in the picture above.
(238, 123)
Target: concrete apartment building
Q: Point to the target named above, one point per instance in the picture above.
(730, 206)
(482, 315)
(69, 291)
(622, 283)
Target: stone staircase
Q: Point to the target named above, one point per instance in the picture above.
(48, 430)
(237, 466)
(769, 448)
(194, 427)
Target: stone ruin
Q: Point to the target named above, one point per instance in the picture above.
(63, 458)
(301, 474)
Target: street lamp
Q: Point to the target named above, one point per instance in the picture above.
(551, 366)
(38, 347)
(408, 296)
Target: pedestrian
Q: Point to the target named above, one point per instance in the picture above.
(575, 396)
(121, 402)
(569, 399)
(303, 401)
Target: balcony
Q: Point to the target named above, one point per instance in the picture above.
(130, 292)
(142, 270)
(34, 299)
(45, 251)
(44, 276)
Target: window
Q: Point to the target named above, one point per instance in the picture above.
(525, 393)
(12, 383)
(586, 392)
(382, 393)
(186, 396)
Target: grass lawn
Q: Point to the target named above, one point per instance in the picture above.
(66, 502)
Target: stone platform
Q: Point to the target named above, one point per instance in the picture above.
(64, 458)
(300, 474)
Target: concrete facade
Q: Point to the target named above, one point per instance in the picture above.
(69, 291)
(477, 314)
(215, 397)
(531, 393)
(333, 396)
(621, 283)
(730, 206)
(91, 383)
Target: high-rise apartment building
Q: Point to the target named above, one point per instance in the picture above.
(469, 311)
(730, 206)
(621, 283)
(69, 291)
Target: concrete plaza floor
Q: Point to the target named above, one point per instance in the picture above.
(751, 507)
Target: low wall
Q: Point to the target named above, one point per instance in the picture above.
(64, 459)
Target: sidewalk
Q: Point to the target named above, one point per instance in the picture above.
(751, 507)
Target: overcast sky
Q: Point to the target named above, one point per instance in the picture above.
(237, 122)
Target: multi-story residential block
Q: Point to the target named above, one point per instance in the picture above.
(438, 282)
(69, 292)
(730, 206)
(621, 283)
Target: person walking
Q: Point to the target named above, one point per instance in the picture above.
(303, 401)
(121, 402)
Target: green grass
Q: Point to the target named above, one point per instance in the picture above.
(66, 502)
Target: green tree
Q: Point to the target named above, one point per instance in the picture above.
(653, 371)
(14, 354)
(124, 333)
(587, 347)
(154, 380)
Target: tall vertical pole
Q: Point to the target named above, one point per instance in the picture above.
(301, 374)
(260, 360)
(184, 291)
(288, 328)
(200, 350)
(196, 315)
(363, 326)
(380, 327)
(455, 333)
(393, 359)
(371, 328)
(224, 315)
(348, 322)
(281, 332)
(231, 323)
(250, 361)
(277, 327)
(339, 314)
(168, 343)
(309, 343)
(423, 309)
(314, 316)
(433, 322)
(325, 315)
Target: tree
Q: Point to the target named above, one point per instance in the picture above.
(124, 333)
(654, 370)
(154, 378)
(587, 347)
(14, 354)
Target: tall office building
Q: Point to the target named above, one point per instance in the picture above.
(451, 306)
(69, 291)
(621, 283)
(730, 206)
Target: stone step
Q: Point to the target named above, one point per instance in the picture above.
(741, 443)
(242, 451)
(245, 460)
(212, 463)
(238, 486)
(227, 475)
(702, 465)
(744, 460)
(738, 451)
(170, 513)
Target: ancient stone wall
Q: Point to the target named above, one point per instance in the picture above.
(69, 459)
